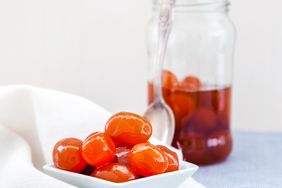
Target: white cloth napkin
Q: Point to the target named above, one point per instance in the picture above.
(32, 121)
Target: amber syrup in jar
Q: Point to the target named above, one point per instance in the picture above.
(202, 118)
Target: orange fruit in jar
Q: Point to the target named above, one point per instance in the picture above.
(191, 83)
(193, 146)
(224, 103)
(67, 155)
(147, 159)
(165, 91)
(98, 149)
(169, 84)
(203, 119)
(127, 128)
(182, 105)
(169, 80)
(173, 162)
(115, 172)
(150, 93)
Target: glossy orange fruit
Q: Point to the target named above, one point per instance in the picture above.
(98, 150)
(191, 83)
(173, 162)
(67, 155)
(115, 172)
(147, 159)
(128, 129)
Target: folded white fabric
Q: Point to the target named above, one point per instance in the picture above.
(33, 120)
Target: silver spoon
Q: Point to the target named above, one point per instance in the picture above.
(159, 113)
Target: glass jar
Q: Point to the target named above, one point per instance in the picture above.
(197, 77)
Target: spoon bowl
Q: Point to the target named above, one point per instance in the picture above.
(162, 119)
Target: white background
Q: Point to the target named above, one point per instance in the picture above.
(97, 49)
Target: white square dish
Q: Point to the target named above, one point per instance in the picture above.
(167, 180)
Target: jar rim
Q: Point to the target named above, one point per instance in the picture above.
(194, 2)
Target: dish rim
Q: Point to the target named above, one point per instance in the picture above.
(184, 168)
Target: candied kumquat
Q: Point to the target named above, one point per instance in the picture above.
(147, 159)
(115, 172)
(98, 150)
(173, 162)
(67, 155)
(128, 129)
(191, 83)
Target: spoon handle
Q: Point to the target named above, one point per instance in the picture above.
(165, 23)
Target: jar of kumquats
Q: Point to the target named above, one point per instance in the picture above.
(197, 77)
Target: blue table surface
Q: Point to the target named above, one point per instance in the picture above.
(255, 162)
